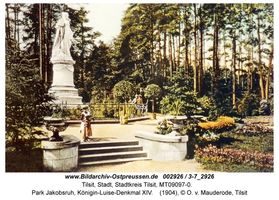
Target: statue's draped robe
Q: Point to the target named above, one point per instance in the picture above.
(62, 41)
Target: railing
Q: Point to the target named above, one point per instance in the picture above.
(115, 110)
(105, 110)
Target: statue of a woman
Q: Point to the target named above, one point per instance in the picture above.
(63, 39)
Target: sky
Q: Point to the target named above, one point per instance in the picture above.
(105, 18)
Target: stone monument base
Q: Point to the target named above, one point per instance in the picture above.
(63, 88)
(66, 95)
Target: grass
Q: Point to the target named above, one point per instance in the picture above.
(229, 167)
(18, 161)
(262, 143)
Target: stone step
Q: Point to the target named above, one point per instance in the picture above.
(112, 156)
(108, 143)
(122, 160)
(97, 150)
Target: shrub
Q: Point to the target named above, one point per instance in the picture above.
(212, 155)
(26, 139)
(264, 108)
(182, 104)
(164, 127)
(74, 113)
(152, 91)
(248, 104)
(165, 105)
(123, 91)
(221, 124)
(207, 104)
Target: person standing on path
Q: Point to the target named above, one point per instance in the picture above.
(85, 126)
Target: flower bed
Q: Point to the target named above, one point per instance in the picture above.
(228, 156)
(254, 130)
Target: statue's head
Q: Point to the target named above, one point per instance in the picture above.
(65, 15)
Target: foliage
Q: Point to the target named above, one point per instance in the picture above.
(264, 108)
(164, 127)
(165, 105)
(72, 113)
(177, 107)
(178, 99)
(227, 156)
(248, 104)
(173, 107)
(152, 91)
(155, 46)
(189, 127)
(207, 105)
(24, 138)
(90, 58)
(221, 124)
(123, 91)
(190, 103)
(98, 78)
(26, 97)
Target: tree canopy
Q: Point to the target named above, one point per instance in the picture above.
(222, 51)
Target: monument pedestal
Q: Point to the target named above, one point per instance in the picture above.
(63, 88)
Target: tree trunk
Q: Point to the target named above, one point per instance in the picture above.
(36, 36)
(233, 71)
(225, 57)
(41, 42)
(153, 104)
(48, 45)
(174, 56)
(17, 29)
(251, 60)
(186, 61)
(152, 47)
(179, 41)
(261, 78)
(165, 54)
(239, 64)
(200, 88)
(161, 70)
(195, 61)
(170, 55)
(15, 21)
(216, 70)
(269, 72)
(8, 26)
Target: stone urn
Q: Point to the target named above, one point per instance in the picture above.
(56, 125)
